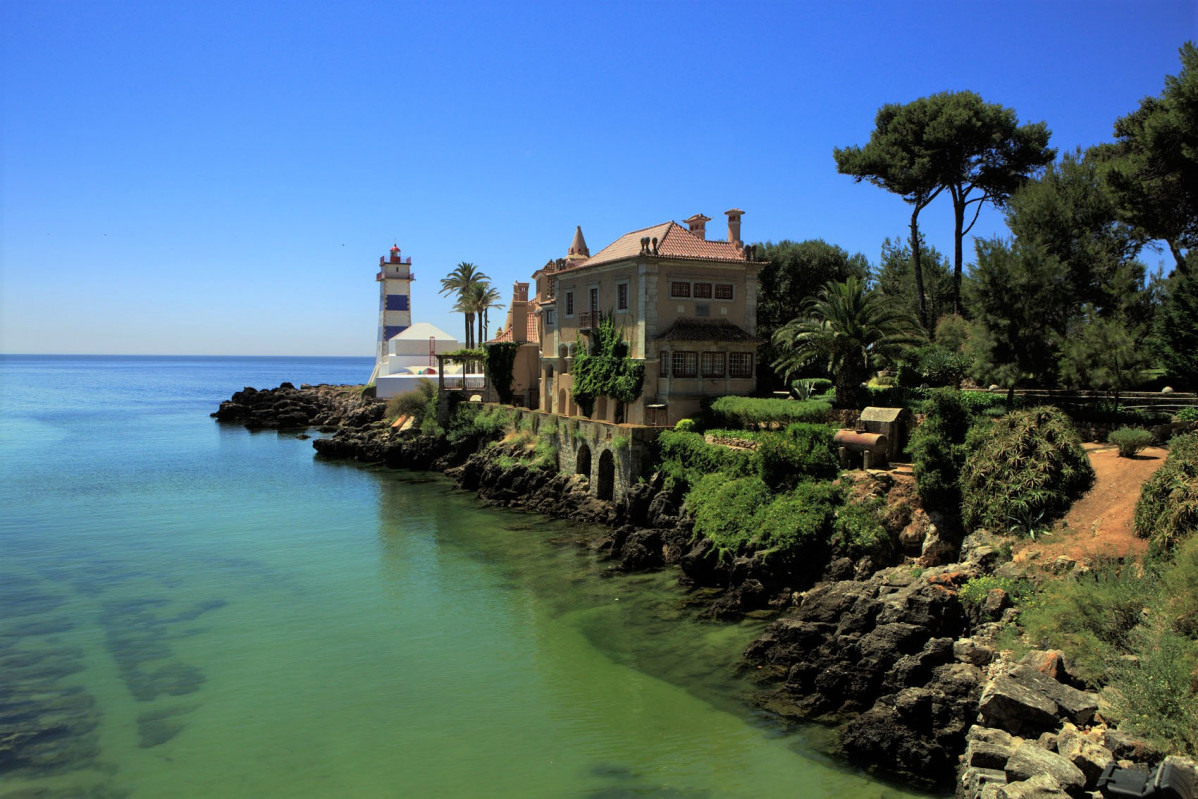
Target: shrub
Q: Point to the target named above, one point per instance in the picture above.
(1186, 415)
(859, 531)
(975, 591)
(686, 426)
(1167, 511)
(797, 526)
(1091, 617)
(481, 422)
(1129, 440)
(803, 451)
(688, 457)
(938, 449)
(1028, 468)
(754, 412)
(413, 403)
(725, 510)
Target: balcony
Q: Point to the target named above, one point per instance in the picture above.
(589, 320)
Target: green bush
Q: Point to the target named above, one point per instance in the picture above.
(755, 412)
(1129, 440)
(412, 403)
(725, 510)
(481, 422)
(1134, 628)
(1186, 415)
(1027, 469)
(938, 449)
(797, 526)
(686, 426)
(804, 451)
(859, 531)
(975, 591)
(688, 457)
(1167, 511)
(1091, 617)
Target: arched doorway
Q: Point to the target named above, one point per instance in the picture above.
(562, 407)
(582, 462)
(607, 475)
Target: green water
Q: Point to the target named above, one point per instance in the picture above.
(197, 611)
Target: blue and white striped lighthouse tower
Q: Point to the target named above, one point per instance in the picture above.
(395, 300)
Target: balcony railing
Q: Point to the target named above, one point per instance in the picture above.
(588, 320)
(471, 382)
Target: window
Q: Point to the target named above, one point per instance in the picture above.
(569, 303)
(665, 363)
(723, 291)
(702, 291)
(740, 364)
(680, 288)
(621, 296)
(712, 364)
(702, 310)
(595, 299)
(686, 364)
(548, 318)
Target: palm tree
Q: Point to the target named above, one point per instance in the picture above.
(460, 281)
(849, 327)
(483, 297)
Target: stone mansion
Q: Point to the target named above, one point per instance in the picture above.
(686, 306)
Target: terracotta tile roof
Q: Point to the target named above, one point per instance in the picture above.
(687, 329)
(673, 241)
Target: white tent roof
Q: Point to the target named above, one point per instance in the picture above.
(423, 331)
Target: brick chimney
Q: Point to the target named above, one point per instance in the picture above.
(734, 216)
(697, 224)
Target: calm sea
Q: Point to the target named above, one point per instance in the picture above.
(193, 610)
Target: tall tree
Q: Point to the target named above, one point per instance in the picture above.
(894, 278)
(482, 297)
(900, 157)
(1177, 324)
(1071, 212)
(1153, 165)
(848, 327)
(952, 141)
(460, 282)
(1020, 300)
(793, 273)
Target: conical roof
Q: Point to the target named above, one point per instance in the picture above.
(578, 247)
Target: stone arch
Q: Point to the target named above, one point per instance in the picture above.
(582, 461)
(563, 406)
(607, 475)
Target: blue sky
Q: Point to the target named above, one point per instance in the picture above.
(222, 177)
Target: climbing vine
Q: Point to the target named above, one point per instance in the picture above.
(501, 358)
(604, 369)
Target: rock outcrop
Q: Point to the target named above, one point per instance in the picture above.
(291, 408)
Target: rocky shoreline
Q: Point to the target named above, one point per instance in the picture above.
(909, 674)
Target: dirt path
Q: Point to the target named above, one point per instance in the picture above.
(1100, 523)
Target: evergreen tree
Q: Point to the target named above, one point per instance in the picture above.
(1177, 325)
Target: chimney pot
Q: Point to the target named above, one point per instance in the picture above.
(697, 225)
(734, 215)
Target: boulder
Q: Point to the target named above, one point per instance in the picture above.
(1013, 706)
(1077, 706)
(1040, 786)
(1089, 756)
(1030, 760)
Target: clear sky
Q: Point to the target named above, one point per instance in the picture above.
(222, 177)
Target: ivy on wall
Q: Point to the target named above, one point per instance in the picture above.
(604, 369)
(501, 358)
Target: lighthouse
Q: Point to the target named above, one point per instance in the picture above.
(395, 300)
